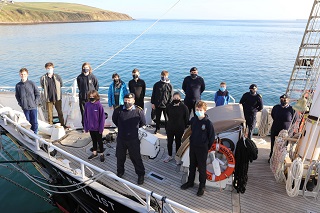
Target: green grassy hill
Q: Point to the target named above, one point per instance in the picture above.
(47, 12)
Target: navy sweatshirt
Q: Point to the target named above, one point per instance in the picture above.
(202, 132)
(282, 117)
(193, 88)
(27, 95)
(251, 103)
(178, 117)
(128, 122)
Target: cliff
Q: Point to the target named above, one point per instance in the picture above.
(51, 12)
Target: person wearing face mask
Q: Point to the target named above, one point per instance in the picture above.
(94, 119)
(201, 140)
(86, 82)
(178, 118)
(161, 96)
(51, 84)
(117, 91)
(282, 115)
(137, 86)
(252, 103)
(193, 86)
(28, 96)
(222, 95)
(129, 118)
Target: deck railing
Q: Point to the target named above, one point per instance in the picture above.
(39, 141)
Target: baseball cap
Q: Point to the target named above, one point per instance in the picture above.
(253, 86)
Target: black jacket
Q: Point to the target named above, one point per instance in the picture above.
(27, 95)
(251, 103)
(178, 117)
(138, 88)
(86, 84)
(193, 88)
(162, 94)
(282, 117)
(128, 122)
(202, 132)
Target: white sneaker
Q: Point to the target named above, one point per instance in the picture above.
(167, 159)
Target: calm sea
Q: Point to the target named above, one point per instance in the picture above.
(237, 52)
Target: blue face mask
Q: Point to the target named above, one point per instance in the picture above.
(222, 89)
(200, 113)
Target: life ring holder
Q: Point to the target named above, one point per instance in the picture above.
(231, 162)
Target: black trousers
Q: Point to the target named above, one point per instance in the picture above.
(171, 134)
(158, 116)
(82, 102)
(133, 146)
(274, 133)
(96, 139)
(250, 122)
(191, 106)
(198, 157)
(139, 102)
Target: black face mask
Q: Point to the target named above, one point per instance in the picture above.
(193, 75)
(175, 101)
(92, 99)
(116, 81)
(252, 92)
(135, 76)
(283, 103)
(128, 105)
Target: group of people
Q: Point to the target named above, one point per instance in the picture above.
(129, 116)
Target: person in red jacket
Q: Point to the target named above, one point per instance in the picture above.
(94, 119)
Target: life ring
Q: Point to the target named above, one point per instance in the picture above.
(231, 163)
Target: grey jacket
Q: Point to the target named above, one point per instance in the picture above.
(44, 84)
(27, 95)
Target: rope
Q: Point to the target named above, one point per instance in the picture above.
(25, 188)
(316, 189)
(278, 156)
(125, 47)
(294, 177)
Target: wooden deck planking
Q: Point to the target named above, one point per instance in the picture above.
(263, 194)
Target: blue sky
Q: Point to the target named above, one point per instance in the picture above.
(205, 9)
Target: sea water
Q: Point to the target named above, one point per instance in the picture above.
(237, 52)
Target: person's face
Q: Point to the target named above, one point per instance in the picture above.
(129, 100)
(200, 109)
(223, 86)
(49, 68)
(24, 76)
(254, 90)
(176, 97)
(116, 78)
(194, 72)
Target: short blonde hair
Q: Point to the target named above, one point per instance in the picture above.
(202, 104)
(165, 72)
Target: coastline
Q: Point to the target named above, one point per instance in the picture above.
(57, 22)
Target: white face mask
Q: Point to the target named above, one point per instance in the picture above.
(50, 71)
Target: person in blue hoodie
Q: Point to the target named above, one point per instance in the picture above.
(201, 140)
(222, 95)
(94, 119)
(117, 91)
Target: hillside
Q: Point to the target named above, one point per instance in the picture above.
(51, 12)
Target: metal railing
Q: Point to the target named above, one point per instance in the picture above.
(39, 141)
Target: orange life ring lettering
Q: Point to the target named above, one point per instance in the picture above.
(231, 163)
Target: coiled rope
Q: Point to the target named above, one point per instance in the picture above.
(278, 156)
(126, 46)
(316, 189)
(294, 177)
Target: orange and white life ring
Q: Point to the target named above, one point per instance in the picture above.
(231, 162)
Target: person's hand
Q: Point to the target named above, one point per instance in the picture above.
(153, 106)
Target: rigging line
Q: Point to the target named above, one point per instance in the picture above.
(125, 47)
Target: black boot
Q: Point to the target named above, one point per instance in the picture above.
(186, 185)
(200, 191)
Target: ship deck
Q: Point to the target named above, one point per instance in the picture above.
(263, 193)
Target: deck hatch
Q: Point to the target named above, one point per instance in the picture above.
(156, 176)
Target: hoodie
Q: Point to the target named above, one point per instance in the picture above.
(94, 117)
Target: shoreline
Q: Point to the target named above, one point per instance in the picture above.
(58, 22)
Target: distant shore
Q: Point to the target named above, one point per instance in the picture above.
(28, 13)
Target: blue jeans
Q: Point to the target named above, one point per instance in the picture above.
(32, 117)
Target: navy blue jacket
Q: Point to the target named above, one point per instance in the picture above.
(86, 84)
(162, 94)
(128, 122)
(193, 88)
(202, 132)
(27, 95)
(282, 117)
(221, 98)
(251, 103)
